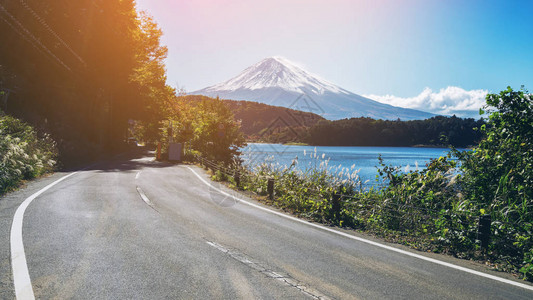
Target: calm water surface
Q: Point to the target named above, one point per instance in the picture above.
(365, 159)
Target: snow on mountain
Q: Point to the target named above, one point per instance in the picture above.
(277, 81)
(277, 72)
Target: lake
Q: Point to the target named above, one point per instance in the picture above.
(365, 159)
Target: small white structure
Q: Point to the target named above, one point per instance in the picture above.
(174, 151)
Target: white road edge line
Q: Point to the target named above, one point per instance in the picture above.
(21, 275)
(442, 263)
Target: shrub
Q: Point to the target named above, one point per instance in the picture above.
(24, 155)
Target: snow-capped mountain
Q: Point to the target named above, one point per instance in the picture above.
(277, 81)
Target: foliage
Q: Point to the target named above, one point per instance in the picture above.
(274, 124)
(86, 66)
(311, 193)
(498, 175)
(95, 73)
(205, 125)
(24, 154)
(500, 170)
(149, 77)
(439, 131)
(266, 123)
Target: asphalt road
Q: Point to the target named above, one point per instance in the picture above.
(132, 228)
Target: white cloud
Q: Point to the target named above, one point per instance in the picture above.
(449, 101)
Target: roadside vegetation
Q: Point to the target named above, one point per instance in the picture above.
(204, 126)
(24, 154)
(437, 208)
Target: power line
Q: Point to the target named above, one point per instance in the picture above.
(28, 33)
(45, 25)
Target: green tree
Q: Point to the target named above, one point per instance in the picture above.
(153, 99)
(208, 125)
(86, 66)
(498, 177)
(499, 172)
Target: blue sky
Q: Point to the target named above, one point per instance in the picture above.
(411, 53)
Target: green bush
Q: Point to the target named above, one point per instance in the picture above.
(24, 155)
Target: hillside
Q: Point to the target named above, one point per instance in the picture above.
(274, 124)
(266, 123)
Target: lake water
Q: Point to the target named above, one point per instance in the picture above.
(365, 159)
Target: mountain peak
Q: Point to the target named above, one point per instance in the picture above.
(278, 61)
(278, 81)
(277, 72)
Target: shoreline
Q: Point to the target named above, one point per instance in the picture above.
(366, 146)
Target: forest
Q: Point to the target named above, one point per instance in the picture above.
(273, 124)
(78, 78)
(81, 70)
(266, 123)
(436, 131)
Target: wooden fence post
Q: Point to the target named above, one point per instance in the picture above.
(270, 188)
(237, 179)
(336, 207)
(483, 231)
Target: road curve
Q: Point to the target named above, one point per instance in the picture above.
(134, 228)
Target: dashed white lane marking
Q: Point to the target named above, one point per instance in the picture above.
(21, 275)
(267, 271)
(137, 175)
(436, 261)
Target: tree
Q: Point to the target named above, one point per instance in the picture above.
(154, 99)
(87, 66)
(498, 176)
(208, 125)
(499, 172)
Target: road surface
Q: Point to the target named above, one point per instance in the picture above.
(133, 228)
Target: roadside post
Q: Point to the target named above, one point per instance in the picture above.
(270, 188)
(174, 151)
(237, 179)
(483, 232)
